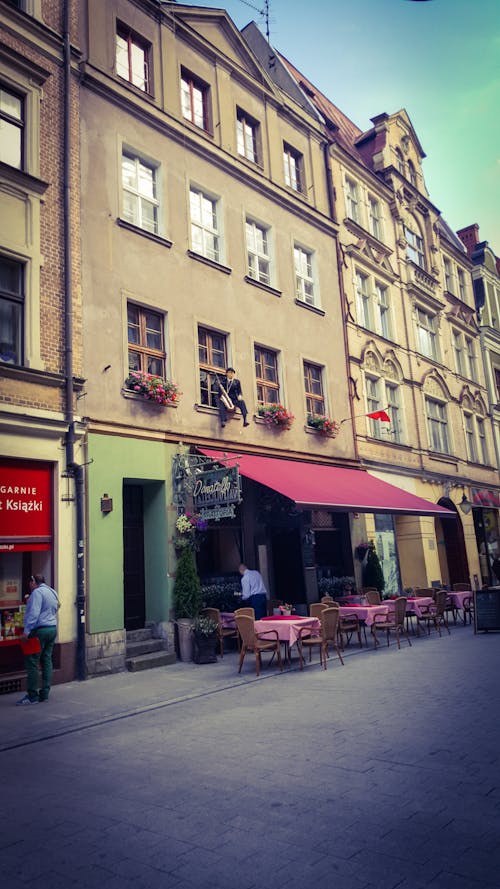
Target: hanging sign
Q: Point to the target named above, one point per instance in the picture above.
(25, 504)
(216, 491)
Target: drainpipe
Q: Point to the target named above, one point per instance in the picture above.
(343, 303)
(72, 468)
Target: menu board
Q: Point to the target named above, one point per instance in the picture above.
(487, 609)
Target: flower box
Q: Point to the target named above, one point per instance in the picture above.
(324, 425)
(153, 388)
(276, 415)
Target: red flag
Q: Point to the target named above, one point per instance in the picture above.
(380, 415)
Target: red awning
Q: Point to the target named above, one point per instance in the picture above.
(331, 487)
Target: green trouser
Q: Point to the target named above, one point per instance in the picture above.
(43, 658)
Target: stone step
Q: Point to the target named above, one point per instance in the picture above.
(139, 635)
(148, 661)
(144, 646)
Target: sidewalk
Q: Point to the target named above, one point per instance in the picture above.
(77, 705)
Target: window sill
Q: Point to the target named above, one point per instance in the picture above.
(23, 180)
(443, 458)
(33, 375)
(310, 430)
(211, 262)
(304, 305)
(142, 231)
(261, 286)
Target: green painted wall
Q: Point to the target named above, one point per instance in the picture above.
(143, 462)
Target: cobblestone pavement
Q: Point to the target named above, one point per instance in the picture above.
(382, 774)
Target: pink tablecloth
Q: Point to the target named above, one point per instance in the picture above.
(364, 612)
(414, 605)
(457, 598)
(288, 630)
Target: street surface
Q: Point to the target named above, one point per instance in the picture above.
(382, 774)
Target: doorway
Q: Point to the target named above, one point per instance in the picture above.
(133, 558)
(454, 546)
(288, 572)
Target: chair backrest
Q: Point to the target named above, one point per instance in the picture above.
(440, 600)
(316, 608)
(246, 627)
(461, 587)
(426, 591)
(250, 612)
(327, 600)
(272, 604)
(400, 611)
(372, 597)
(329, 622)
(212, 613)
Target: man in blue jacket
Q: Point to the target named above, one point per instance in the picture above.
(40, 621)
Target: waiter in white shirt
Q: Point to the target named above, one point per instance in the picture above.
(254, 593)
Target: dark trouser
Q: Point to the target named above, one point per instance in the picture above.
(223, 410)
(258, 603)
(43, 658)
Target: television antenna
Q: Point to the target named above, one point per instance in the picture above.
(263, 12)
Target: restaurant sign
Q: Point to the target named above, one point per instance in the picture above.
(216, 492)
(25, 505)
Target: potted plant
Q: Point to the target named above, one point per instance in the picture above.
(372, 570)
(323, 425)
(276, 415)
(187, 601)
(153, 388)
(205, 631)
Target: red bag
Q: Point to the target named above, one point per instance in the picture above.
(30, 646)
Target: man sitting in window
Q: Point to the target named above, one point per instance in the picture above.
(229, 393)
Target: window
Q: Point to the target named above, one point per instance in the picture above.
(140, 202)
(11, 311)
(373, 404)
(458, 349)
(194, 100)
(246, 133)
(470, 438)
(427, 334)
(212, 357)
(437, 425)
(11, 129)
(481, 438)
(266, 374)
(415, 247)
(496, 373)
(205, 237)
(471, 358)
(412, 174)
(363, 297)
(293, 163)
(352, 200)
(313, 387)
(462, 290)
(400, 161)
(383, 315)
(375, 219)
(393, 408)
(259, 264)
(448, 276)
(132, 58)
(146, 349)
(304, 281)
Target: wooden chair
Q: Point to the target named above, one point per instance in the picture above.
(392, 623)
(350, 625)
(372, 596)
(328, 636)
(460, 587)
(327, 600)
(252, 641)
(222, 632)
(468, 609)
(426, 591)
(272, 604)
(249, 611)
(434, 614)
(316, 608)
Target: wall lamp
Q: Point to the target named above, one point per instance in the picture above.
(465, 504)
(106, 504)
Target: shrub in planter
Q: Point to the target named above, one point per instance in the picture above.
(372, 570)
(187, 588)
(205, 640)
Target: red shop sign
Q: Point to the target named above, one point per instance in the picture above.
(25, 500)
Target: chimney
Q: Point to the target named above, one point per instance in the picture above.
(469, 237)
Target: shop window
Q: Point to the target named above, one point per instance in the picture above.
(313, 387)
(11, 311)
(132, 58)
(212, 358)
(266, 375)
(146, 348)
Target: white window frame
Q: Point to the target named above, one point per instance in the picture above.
(293, 163)
(427, 334)
(375, 217)
(470, 437)
(139, 198)
(383, 310)
(448, 274)
(458, 349)
(393, 408)
(258, 244)
(373, 387)
(415, 247)
(363, 300)
(206, 235)
(462, 287)
(305, 278)
(471, 358)
(437, 425)
(352, 200)
(482, 441)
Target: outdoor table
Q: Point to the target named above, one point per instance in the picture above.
(288, 628)
(414, 604)
(457, 597)
(366, 613)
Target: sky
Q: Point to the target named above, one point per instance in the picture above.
(440, 60)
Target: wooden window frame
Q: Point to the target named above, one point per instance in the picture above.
(265, 386)
(315, 402)
(132, 39)
(249, 141)
(208, 366)
(191, 85)
(142, 349)
(293, 166)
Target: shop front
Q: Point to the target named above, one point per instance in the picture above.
(485, 508)
(300, 523)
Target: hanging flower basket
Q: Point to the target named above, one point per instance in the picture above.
(153, 388)
(324, 425)
(276, 415)
(188, 528)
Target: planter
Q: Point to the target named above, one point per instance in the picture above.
(205, 649)
(185, 634)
